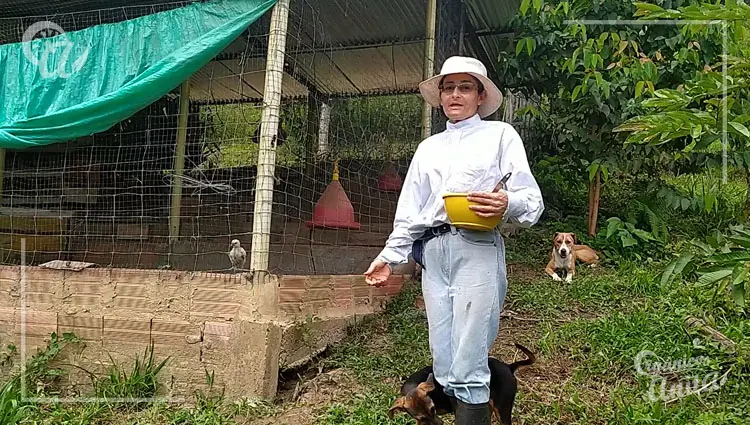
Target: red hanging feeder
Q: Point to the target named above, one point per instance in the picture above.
(390, 181)
(333, 210)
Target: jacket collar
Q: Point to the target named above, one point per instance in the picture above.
(468, 122)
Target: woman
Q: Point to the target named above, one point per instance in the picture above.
(463, 278)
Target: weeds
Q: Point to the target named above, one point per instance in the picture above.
(12, 408)
(140, 383)
(13, 403)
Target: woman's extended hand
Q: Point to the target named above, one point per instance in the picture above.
(378, 273)
(490, 204)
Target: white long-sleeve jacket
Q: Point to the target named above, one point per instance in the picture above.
(475, 147)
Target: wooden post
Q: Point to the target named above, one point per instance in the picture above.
(267, 148)
(325, 124)
(428, 69)
(447, 43)
(2, 174)
(594, 194)
(462, 31)
(313, 120)
(179, 163)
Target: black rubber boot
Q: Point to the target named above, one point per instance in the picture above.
(454, 402)
(472, 414)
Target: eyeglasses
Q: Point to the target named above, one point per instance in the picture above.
(463, 88)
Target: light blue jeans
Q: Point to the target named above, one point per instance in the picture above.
(464, 284)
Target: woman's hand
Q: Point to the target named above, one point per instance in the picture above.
(490, 204)
(378, 273)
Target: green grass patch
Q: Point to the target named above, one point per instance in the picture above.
(393, 345)
(140, 382)
(630, 313)
(592, 291)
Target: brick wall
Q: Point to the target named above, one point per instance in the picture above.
(201, 321)
(118, 313)
(304, 295)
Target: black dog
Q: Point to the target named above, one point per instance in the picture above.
(422, 397)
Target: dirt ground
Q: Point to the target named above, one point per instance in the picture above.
(541, 382)
(302, 404)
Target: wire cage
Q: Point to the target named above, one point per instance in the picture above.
(347, 109)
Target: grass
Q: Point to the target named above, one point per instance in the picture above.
(382, 128)
(594, 327)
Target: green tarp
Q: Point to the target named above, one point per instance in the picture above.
(83, 82)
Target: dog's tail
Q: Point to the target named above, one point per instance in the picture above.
(530, 360)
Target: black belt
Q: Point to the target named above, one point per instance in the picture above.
(417, 248)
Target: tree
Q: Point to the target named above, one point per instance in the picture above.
(689, 120)
(591, 77)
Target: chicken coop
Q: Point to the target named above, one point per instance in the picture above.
(181, 168)
(142, 140)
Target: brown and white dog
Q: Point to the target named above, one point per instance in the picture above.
(564, 255)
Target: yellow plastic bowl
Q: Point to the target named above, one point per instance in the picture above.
(457, 208)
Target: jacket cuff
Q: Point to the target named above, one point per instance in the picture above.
(391, 257)
(516, 205)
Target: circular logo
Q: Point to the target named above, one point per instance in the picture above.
(46, 41)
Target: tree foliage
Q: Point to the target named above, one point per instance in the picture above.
(693, 116)
(592, 73)
(709, 114)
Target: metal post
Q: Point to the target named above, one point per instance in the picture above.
(429, 64)
(179, 163)
(267, 149)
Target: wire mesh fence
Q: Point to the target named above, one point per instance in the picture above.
(105, 199)
(348, 121)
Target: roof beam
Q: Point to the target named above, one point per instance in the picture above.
(494, 31)
(373, 44)
(479, 49)
(323, 48)
(329, 97)
(301, 78)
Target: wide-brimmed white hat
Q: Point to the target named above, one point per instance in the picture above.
(463, 65)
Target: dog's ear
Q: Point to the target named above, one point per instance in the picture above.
(556, 234)
(575, 239)
(393, 410)
(429, 384)
(398, 406)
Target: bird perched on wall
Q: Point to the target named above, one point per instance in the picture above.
(237, 255)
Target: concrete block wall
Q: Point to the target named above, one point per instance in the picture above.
(204, 322)
(303, 295)
(322, 307)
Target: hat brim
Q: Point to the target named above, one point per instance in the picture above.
(430, 91)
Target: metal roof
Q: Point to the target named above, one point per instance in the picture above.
(339, 47)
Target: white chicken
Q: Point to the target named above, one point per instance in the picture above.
(237, 256)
